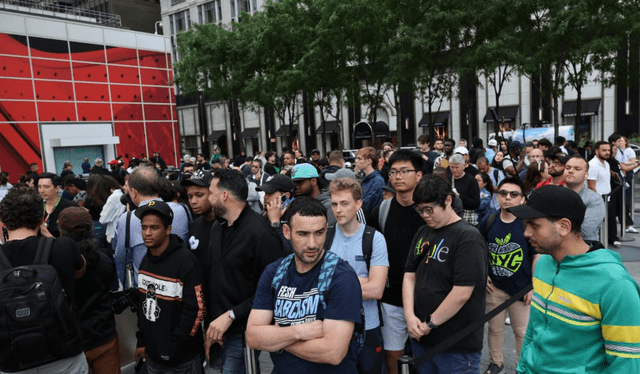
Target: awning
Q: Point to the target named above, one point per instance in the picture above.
(330, 127)
(589, 108)
(382, 129)
(282, 129)
(214, 136)
(510, 113)
(249, 133)
(363, 130)
(440, 119)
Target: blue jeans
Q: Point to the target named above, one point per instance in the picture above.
(449, 363)
(233, 354)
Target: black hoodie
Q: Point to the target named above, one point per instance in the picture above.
(171, 306)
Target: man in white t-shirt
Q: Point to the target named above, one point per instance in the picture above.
(599, 180)
(627, 159)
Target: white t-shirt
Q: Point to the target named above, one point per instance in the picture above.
(600, 173)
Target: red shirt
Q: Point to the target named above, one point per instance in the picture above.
(547, 182)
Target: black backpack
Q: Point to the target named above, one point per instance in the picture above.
(37, 325)
(367, 242)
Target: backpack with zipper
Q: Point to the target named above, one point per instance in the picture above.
(37, 325)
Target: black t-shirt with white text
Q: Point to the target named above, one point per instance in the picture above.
(454, 255)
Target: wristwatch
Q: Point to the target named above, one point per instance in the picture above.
(431, 324)
(275, 224)
(232, 315)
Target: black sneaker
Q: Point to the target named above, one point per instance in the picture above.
(495, 369)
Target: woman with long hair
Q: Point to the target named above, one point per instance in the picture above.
(99, 188)
(486, 186)
(497, 161)
(535, 174)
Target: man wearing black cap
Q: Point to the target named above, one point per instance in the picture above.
(171, 306)
(198, 194)
(586, 307)
(555, 163)
(315, 158)
(513, 163)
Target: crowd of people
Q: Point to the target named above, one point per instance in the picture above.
(332, 267)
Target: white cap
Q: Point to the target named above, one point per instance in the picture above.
(493, 143)
(461, 150)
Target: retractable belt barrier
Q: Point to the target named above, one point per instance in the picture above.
(407, 364)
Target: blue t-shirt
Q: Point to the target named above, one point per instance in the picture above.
(510, 256)
(349, 248)
(297, 301)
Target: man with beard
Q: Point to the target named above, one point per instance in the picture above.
(288, 159)
(242, 245)
(513, 162)
(580, 290)
(397, 220)
(447, 151)
(117, 172)
(576, 171)
(599, 180)
(307, 182)
(198, 194)
(555, 163)
(314, 326)
(504, 234)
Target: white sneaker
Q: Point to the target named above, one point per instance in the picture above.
(632, 230)
(507, 321)
(617, 244)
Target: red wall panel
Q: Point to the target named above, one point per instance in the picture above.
(124, 74)
(15, 89)
(60, 112)
(54, 90)
(155, 77)
(92, 92)
(132, 141)
(122, 56)
(152, 59)
(156, 94)
(83, 71)
(18, 111)
(128, 94)
(160, 138)
(157, 112)
(127, 112)
(49, 69)
(17, 67)
(94, 112)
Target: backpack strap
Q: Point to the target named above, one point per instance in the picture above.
(127, 229)
(326, 274)
(488, 223)
(383, 213)
(495, 175)
(5, 264)
(331, 233)
(43, 251)
(367, 244)
(280, 272)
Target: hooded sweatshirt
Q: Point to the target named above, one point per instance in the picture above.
(171, 306)
(372, 191)
(585, 317)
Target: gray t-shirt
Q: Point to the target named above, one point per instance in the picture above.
(349, 248)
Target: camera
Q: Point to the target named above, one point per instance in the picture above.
(126, 199)
(122, 300)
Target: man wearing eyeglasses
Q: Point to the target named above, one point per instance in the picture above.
(555, 162)
(450, 257)
(512, 260)
(396, 219)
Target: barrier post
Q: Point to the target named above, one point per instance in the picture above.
(405, 365)
(250, 360)
(604, 229)
(633, 195)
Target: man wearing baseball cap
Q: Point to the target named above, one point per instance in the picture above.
(307, 181)
(491, 149)
(586, 307)
(198, 194)
(513, 163)
(555, 167)
(171, 306)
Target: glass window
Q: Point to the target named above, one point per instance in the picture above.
(219, 10)
(207, 12)
(200, 20)
(244, 6)
(233, 8)
(254, 3)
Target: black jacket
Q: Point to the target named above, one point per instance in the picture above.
(236, 258)
(171, 305)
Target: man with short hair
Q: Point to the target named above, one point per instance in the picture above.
(599, 180)
(336, 162)
(555, 167)
(288, 160)
(245, 168)
(98, 167)
(307, 182)
(242, 244)
(465, 187)
(48, 187)
(447, 151)
(171, 303)
(202, 163)
(33, 171)
(256, 175)
(398, 222)
(313, 329)
(496, 177)
(22, 215)
(438, 146)
(490, 152)
(117, 172)
(544, 144)
(576, 171)
(200, 228)
(86, 166)
(580, 290)
(511, 264)
(372, 182)
(429, 156)
(67, 169)
(315, 158)
(450, 256)
(143, 188)
(349, 240)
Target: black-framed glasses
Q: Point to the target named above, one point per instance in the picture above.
(427, 209)
(504, 193)
(400, 173)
